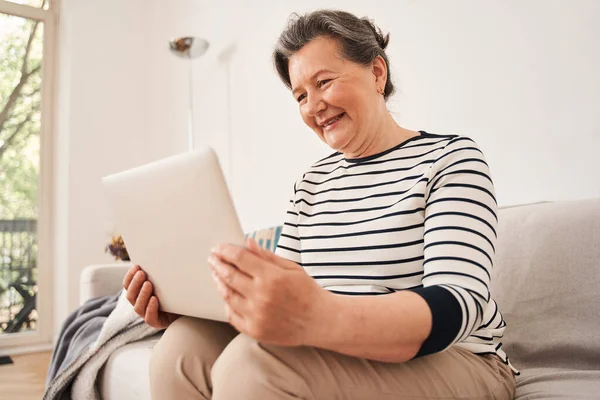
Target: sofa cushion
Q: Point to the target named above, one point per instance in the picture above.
(554, 383)
(126, 376)
(546, 282)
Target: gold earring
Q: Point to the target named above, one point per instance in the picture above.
(382, 92)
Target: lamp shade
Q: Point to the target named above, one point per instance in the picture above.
(188, 46)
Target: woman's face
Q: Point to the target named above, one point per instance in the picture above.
(338, 98)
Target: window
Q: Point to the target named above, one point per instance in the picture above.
(45, 4)
(27, 43)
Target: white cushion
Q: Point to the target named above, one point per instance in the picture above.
(126, 374)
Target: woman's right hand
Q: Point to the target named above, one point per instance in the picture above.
(139, 294)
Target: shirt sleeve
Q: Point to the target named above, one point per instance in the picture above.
(288, 245)
(459, 243)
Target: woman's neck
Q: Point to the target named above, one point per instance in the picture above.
(389, 135)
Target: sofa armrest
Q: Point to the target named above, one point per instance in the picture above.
(101, 280)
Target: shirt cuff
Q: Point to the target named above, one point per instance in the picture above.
(446, 315)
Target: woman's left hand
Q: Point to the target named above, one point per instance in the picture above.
(267, 297)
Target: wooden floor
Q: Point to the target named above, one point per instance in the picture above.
(26, 378)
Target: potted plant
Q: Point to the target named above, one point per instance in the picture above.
(117, 248)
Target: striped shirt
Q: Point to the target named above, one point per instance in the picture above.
(421, 216)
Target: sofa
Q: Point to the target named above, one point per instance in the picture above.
(546, 280)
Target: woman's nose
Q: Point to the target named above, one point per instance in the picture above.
(315, 105)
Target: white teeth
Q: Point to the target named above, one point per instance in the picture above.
(336, 119)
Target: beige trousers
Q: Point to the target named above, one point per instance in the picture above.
(201, 359)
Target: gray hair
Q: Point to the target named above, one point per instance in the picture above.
(360, 40)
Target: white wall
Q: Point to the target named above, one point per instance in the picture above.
(519, 77)
(122, 103)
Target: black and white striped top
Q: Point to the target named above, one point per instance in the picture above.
(421, 216)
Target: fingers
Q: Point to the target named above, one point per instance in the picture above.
(269, 256)
(139, 290)
(135, 286)
(141, 303)
(234, 300)
(226, 291)
(230, 275)
(151, 316)
(261, 252)
(235, 319)
(129, 276)
(240, 257)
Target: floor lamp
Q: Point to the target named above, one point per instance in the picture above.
(189, 47)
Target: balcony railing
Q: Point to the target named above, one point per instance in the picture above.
(18, 275)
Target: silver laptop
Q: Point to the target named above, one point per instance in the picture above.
(170, 213)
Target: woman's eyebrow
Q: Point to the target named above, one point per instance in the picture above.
(294, 90)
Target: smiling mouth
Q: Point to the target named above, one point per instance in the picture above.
(333, 120)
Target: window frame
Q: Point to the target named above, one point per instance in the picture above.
(41, 337)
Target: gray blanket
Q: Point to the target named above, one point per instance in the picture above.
(87, 338)
(79, 331)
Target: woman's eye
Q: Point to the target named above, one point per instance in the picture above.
(323, 82)
(301, 97)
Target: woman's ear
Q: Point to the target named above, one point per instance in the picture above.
(379, 70)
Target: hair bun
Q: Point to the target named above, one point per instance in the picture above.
(381, 39)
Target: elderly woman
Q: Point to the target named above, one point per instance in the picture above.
(379, 287)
